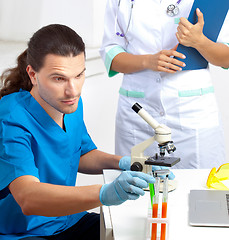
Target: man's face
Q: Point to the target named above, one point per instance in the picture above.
(58, 84)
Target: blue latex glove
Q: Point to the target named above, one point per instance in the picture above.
(171, 175)
(124, 163)
(127, 186)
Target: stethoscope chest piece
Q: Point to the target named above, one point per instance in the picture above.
(172, 10)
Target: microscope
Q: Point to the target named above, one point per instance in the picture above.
(142, 163)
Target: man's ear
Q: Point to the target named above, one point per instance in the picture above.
(32, 74)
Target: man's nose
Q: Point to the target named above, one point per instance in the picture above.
(72, 89)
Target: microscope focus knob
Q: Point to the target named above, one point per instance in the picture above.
(136, 166)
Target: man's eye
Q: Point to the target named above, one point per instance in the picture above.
(59, 79)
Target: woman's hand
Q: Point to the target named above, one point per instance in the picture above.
(164, 61)
(191, 35)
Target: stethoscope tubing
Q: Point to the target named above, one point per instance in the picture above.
(172, 10)
(123, 34)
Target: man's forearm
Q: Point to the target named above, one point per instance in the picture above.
(95, 161)
(50, 200)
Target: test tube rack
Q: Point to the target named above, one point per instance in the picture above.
(158, 221)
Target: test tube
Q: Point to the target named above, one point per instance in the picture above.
(155, 207)
(151, 189)
(164, 207)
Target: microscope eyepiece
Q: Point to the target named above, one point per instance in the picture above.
(136, 107)
(169, 146)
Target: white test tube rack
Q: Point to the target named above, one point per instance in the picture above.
(158, 221)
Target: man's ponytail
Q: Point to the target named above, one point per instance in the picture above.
(14, 79)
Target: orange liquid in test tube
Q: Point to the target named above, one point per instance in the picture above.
(163, 225)
(154, 225)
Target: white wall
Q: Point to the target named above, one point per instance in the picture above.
(84, 16)
(221, 83)
(100, 97)
(19, 19)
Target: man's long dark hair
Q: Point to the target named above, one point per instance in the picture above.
(53, 39)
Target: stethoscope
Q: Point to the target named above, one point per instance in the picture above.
(123, 34)
(172, 10)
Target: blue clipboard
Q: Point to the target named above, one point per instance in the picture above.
(214, 14)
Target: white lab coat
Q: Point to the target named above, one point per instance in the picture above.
(193, 119)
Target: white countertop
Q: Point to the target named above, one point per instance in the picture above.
(129, 219)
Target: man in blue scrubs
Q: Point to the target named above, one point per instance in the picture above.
(44, 143)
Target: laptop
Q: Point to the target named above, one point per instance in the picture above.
(209, 208)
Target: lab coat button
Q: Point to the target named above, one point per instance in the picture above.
(158, 80)
(162, 113)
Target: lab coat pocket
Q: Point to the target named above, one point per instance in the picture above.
(198, 108)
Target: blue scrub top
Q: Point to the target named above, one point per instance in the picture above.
(31, 143)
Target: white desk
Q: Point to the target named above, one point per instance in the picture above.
(128, 221)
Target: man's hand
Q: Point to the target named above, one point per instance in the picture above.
(188, 34)
(128, 186)
(124, 163)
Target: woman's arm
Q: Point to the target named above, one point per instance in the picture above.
(162, 61)
(192, 36)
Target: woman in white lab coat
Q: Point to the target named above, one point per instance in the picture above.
(183, 100)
